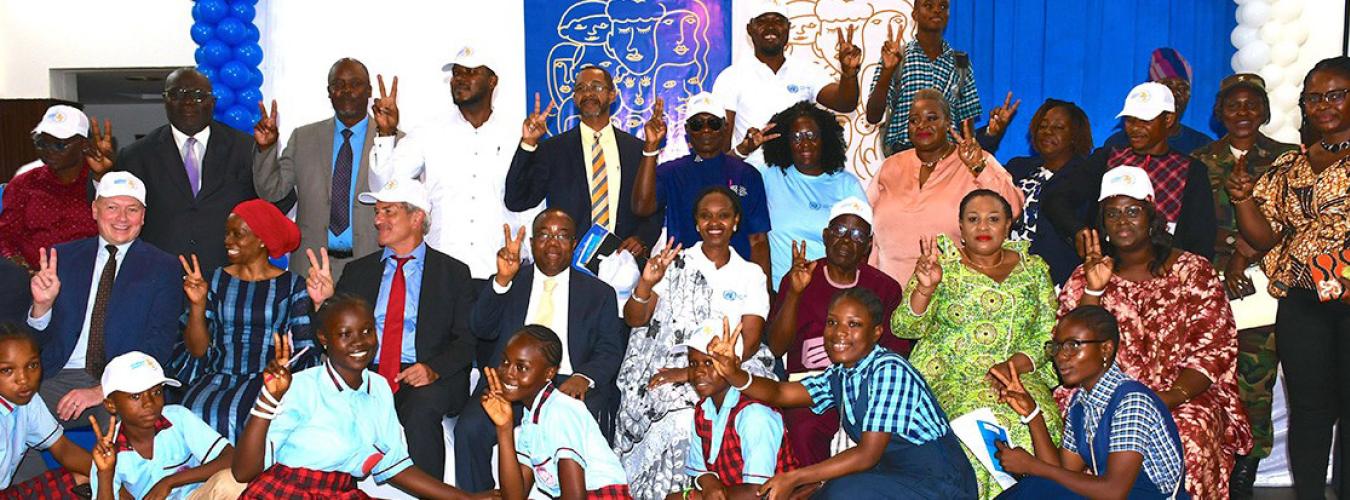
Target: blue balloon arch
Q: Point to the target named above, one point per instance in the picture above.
(228, 54)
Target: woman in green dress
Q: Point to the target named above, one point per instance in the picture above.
(987, 302)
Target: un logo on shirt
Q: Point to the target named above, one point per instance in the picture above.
(731, 295)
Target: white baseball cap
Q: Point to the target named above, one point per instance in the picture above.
(133, 373)
(469, 56)
(62, 122)
(1129, 181)
(852, 205)
(704, 102)
(399, 191)
(771, 7)
(121, 184)
(1148, 100)
(703, 335)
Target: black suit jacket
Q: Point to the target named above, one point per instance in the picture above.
(596, 337)
(15, 296)
(175, 221)
(557, 172)
(444, 342)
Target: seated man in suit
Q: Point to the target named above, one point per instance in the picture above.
(110, 294)
(421, 301)
(326, 162)
(588, 172)
(195, 171)
(580, 308)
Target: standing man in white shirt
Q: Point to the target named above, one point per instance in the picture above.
(754, 90)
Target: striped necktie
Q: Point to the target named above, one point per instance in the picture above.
(599, 184)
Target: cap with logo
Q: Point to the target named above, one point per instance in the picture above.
(399, 191)
(1127, 181)
(121, 184)
(469, 56)
(852, 205)
(704, 102)
(133, 373)
(1148, 100)
(62, 122)
(771, 7)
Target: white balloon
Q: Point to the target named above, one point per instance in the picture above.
(1240, 2)
(1254, 55)
(1243, 35)
(1284, 53)
(1273, 74)
(1236, 64)
(1284, 98)
(1286, 10)
(1272, 33)
(1296, 32)
(1254, 13)
(1276, 122)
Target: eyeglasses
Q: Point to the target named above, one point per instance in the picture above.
(803, 136)
(344, 85)
(546, 237)
(594, 88)
(53, 146)
(185, 95)
(1131, 212)
(1071, 347)
(697, 125)
(852, 233)
(1335, 97)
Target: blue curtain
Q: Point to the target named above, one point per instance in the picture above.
(1090, 52)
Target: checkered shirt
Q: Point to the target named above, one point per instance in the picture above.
(899, 400)
(1137, 426)
(1167, 172)
(729, 466)
(918, 72)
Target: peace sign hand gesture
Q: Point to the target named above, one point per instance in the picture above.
(1013, 393)
(193, 284)
(1097, 268)
(1000, 117)
(722, 348)
(277, 375)
(536, 124)
(656, 266)
(497, 407)
(99, 153)
(850, 56)
(968, 149)
(319, 282)
(265, 131)
(508, 258)
(1240, 183)
(105, 455)
(801, 272)
(386, 107)
(928, 270)
(655, 130)
(892, 55)
(754, 138)
(45, 284)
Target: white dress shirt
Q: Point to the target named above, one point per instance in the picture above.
(180, 139)
(610, 147)
(76, 361)
(755, 93)
(464, 169)
(561, 295)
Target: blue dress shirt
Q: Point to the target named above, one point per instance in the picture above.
(412, 281)
(344, 241)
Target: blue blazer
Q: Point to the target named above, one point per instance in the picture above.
(143, 310)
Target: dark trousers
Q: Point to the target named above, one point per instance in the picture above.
(475, 435)
(483, 348)
(421, 410)
(1314, 347)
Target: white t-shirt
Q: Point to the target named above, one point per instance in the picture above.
(738, 287)
(755, 93)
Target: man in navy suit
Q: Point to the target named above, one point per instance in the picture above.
(580, 308)
(109, 295)
(588, 172)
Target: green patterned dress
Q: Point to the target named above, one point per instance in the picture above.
(973, 323)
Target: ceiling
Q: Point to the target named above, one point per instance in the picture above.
(120, 86)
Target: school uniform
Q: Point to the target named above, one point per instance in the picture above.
(182, 441)
(23, 427)
(1119, 414)
(556, 426)
(883, 393)
(327, 435)
(743, 442)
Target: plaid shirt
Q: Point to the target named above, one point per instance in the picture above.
(1136, 426)
(918, 72)
(1167, 172)
(900, 402)
(728, 459)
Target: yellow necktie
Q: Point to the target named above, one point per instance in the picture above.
(544, 315)
(599, 184)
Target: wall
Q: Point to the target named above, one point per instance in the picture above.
(37, 36)
(128, 120)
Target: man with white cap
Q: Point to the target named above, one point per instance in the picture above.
(325, 165)
(1181, 182)
(47, 206)
(109, 295)
(1168, 67)
(753, 90)
(676, 185)
(421, 299)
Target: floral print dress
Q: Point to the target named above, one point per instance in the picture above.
(973, 323)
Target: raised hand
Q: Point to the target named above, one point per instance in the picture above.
(656, 266)
(754, 138)
(1097, 268)
(105, 455)
(722, 348)
(1240, 183)
(536, 124)
(892, 50)
(497, 407)
(45, 285)
(265, 131)
(928, 270)
(386, 107)
(319, 282)
(967, 148)
(277, 375)
(850, 56)
(99, 153)
(655, 129)
(1012, 392)
(508, 258)
(1000, 116)
(193, 284)
(801, 272)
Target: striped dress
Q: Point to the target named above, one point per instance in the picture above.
(241, 316)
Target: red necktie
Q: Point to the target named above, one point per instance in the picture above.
(391, 343)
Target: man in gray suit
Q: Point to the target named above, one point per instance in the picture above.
(326, 162)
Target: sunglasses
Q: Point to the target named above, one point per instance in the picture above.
(53, 146)
(698, 124)
(185, 95)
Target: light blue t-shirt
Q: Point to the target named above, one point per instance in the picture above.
(761, 432)
(556, 427)
(799, 209)
(23, 427)
(182, 441)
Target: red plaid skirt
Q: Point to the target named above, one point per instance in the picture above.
(611, 492)
(53, 484)
(282, 482)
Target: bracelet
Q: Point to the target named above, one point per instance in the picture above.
(264, 394)
(267, 407)
(650, 154)
(263, 415)
(919, 290)
(748, 380)
(980, 168)
(1186, 394)
(1094, 293)
(639, 299)
(1031, 416)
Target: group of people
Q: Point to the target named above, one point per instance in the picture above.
(794, 333)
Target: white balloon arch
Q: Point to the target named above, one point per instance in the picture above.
(1268, 37)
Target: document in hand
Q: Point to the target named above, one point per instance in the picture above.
(978, 431)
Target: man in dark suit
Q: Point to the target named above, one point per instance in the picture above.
(195, 171)
(325, 163)
(421, 302)
(581, 309)
(588, 172)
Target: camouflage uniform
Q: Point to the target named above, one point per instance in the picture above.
(1257, 363)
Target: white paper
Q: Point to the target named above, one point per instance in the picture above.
(976, 430)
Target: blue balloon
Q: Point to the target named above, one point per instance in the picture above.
(251, 97)
(249, 2)
(203, 32)
(231, 31)
(256, 79)
(210, 11)
(224, 96)
(199, 55)
(243, 11)
(235, 75)
(215, 53)
(207, 71)
(237, 117)
(250, 54)
(252, 35)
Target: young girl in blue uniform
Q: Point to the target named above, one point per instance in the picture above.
(560, 449)
(26, 423)
(1117, 429)
(905, 448)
